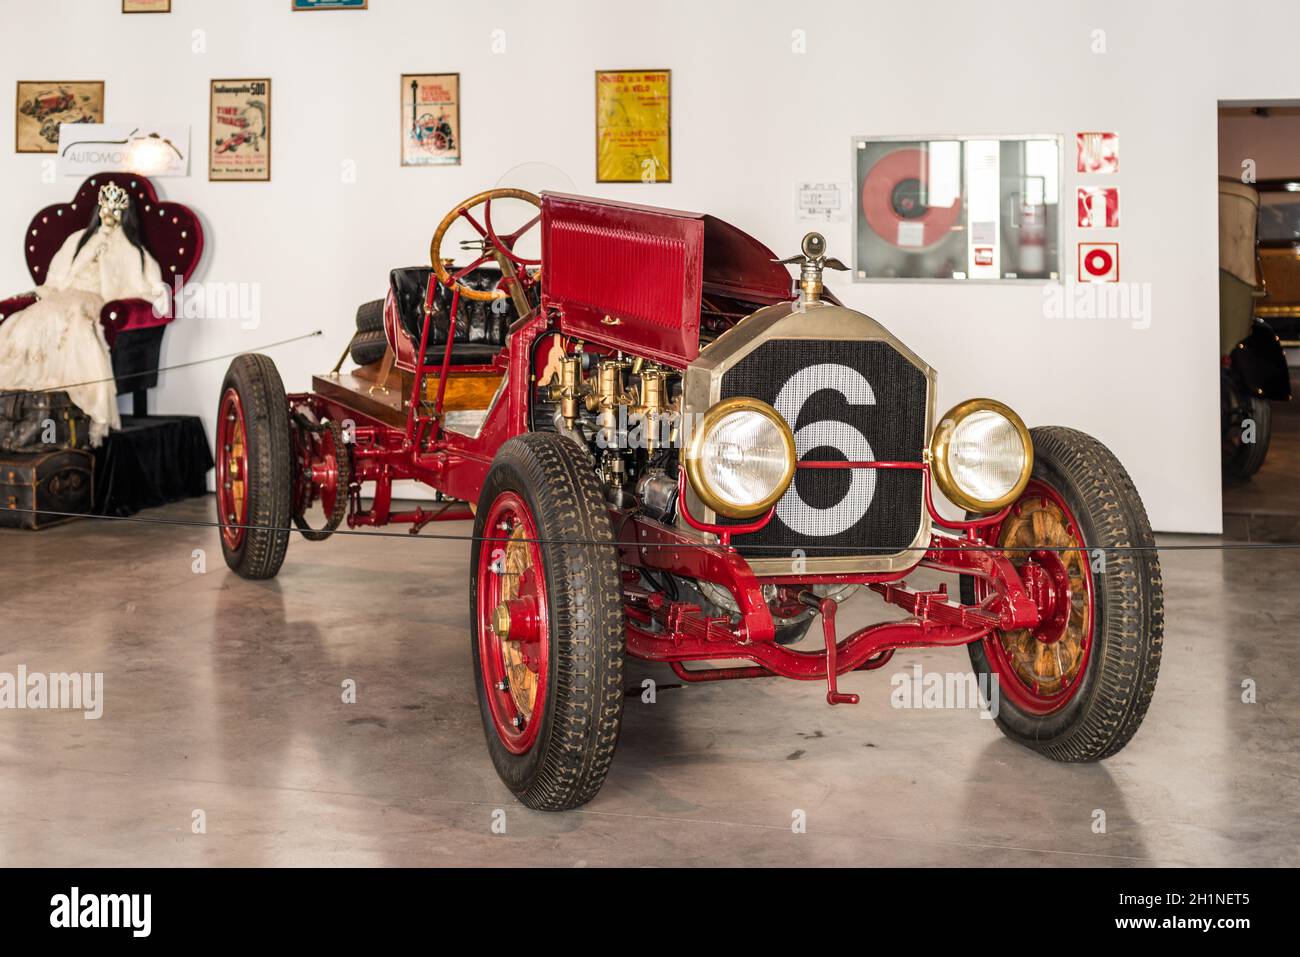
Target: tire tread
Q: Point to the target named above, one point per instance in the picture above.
(266, 420)
(368, 347)
(1131, 606)
(585, 597)
(370, 316)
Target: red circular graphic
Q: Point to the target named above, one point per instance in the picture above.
(1098, 262)
(890, 198)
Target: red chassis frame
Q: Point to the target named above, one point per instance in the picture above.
(671, 631)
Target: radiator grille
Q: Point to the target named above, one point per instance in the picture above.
(845, 401)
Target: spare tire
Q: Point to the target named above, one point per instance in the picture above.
(368, 347)
(370, 316)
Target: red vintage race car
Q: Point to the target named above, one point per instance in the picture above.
(47, 103)
(672, 451)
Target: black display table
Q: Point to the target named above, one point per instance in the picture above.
(151, 461)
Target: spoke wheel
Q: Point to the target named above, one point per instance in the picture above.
(254, 468)
(1046, 546)
(546, 616)
(232, 469)
(514, 623)
(1077, 686)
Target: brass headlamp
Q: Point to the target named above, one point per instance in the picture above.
(981, 455)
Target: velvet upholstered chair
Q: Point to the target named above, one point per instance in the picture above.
(172, 234)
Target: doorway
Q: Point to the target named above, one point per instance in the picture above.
(1259, 302)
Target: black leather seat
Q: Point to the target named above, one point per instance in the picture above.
(481, 327)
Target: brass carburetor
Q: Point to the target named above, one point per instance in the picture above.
(567, 388)
(603, 410)
(608, 394)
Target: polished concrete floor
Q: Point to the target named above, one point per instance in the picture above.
(224, 697)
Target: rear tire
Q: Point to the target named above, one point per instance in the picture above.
(1243, 459)
(254, 468)
(553, 743)
(1092, 503)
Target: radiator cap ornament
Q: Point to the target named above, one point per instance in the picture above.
(811, 262)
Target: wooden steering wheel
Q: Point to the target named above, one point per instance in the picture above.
(516, 279)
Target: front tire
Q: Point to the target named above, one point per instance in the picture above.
(254, 462)
(546, 617)
(1077, 687)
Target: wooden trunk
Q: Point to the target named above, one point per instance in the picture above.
(60, 481)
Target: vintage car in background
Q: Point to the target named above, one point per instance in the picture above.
(51, 108)
(47, 103)
(672, 451)
(1279, 255)
(1259, 289)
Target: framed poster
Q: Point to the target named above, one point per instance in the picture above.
(305, 5)
(430, 119)
(43, 106)
(146, 6)
(239, 131)
(634, 126)
(985, 208)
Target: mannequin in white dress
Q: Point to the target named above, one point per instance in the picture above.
(58, 343)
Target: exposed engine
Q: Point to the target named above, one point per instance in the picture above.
(627, 411)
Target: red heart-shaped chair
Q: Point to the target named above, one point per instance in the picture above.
(173, 236)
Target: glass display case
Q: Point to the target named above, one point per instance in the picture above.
(972, 208)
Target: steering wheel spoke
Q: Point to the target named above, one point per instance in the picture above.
(513, 238)
(469, 218)
(460, 274)
(507, 242)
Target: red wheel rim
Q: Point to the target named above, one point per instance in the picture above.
(1041, 669)
(325, 474)
(232, 469)
(513, 623)
(317, 472)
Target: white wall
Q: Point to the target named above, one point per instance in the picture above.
(1272, 141)
(750, 119)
